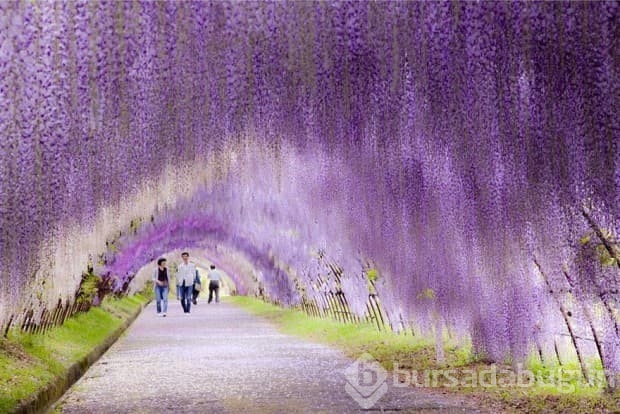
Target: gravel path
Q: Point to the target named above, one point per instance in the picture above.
(220, 359)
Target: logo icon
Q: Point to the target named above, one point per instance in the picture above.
(366, 381)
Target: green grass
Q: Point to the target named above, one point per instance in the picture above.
(385, 346)
(418, 353)
(28, 362)
(21, 375)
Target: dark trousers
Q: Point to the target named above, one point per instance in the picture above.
(186, 298)
(214, 286)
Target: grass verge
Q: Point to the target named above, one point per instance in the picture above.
(30, 363)
(418, 353)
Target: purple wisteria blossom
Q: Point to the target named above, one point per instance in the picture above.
(468, 150)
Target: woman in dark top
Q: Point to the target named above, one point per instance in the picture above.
(162, 284)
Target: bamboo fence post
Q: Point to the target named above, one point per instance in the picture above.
(597, 340)
(557, 351)
(334, 304)
(377, 304)
(374, 313)
(8, 326)
(565, 316)
(26, 322)
(40, 327)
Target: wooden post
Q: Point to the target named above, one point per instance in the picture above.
(74, 308)
(374, 313)
(371, 317)
(343, 305)
(565, 316)
(66, 312)
(8, 326)
(310, 308)
(377, 304)
(601, 236)
(557, 351)
(26, 322)
(608, 244)
(335, 305)
(354, 317)
(315, 309)
(597, 340)
(57, 313)
(334, 312)
(40, 328)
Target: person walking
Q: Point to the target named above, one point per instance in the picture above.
(197, 287)
(185, 282)
(214, 284)
(162, 285)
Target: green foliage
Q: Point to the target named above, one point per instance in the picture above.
(135, 224)
(21, 374)
(112, 247)
(607, 251)
(89, 287)
(605, 257)
(585, 239)
(427, 294)
(149, 289)
(28, 362)
(372, 274)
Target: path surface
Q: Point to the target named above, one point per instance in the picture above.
(220, 359)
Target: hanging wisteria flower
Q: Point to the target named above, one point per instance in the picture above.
(466, 149)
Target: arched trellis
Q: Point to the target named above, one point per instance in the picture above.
(145, 241)
(467, 148)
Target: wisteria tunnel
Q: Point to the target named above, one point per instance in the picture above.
(436, 165)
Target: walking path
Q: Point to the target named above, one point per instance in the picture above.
(220, 359)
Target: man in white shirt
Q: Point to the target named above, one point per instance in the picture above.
(214, 284)
(185, 281)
